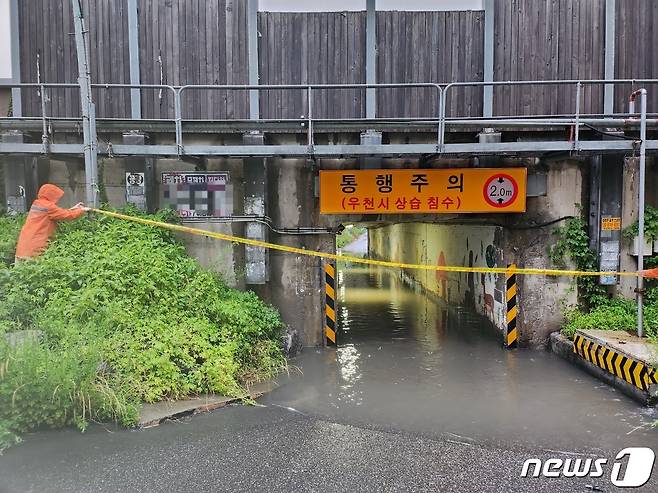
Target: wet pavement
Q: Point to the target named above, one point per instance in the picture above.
(416, 398)
(407, 361)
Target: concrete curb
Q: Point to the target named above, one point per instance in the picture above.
(563, 347)
(153, 414)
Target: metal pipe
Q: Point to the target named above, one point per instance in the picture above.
(178, 122)
(640, 256)
(310, 118)
(84, 81)
(577, 130)
(267, 221)
(44, 123)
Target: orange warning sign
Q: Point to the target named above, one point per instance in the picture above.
(422, 191)
(611, 223)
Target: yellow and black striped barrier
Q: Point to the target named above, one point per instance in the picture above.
(330, 302)
(635, 372)
(511, 334)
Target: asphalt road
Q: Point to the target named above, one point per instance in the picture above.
(413, 399)
(267, 449)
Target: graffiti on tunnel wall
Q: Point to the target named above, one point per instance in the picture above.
(439, 244)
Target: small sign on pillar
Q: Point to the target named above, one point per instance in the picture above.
(136, 190)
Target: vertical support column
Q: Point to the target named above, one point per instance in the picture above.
(609, 217)
(371, 56)
(86, 105)
(330, 329)
(594, 201)
(133, 51)
(20, 177)
(252, 50)
(255, 193)
(487, 96)
(609, 63)
(511, 335)
(138, 165)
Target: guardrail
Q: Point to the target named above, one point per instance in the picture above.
(443, 92)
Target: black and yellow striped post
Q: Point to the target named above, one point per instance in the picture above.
(511, 334)
(330, 302)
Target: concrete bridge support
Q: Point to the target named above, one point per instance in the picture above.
(21, 176)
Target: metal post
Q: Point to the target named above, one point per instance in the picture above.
(84, 80)
(577, 130)
(44, 122)
(609, 64)
(487, 101)
(640, 253)
(179, 122)
(133, 51)
(371, 55)
(252, 49)
(310, 117)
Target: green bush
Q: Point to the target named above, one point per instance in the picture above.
(348, 235)
(9, 229)
(126, 316)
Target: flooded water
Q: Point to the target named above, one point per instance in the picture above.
(407, 362)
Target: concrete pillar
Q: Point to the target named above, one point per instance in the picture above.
(140, 164)
(296, 281)
(255, 192)
(629, 214)
(21, 177)
(541, 298)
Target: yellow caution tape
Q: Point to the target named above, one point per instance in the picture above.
(358, 260)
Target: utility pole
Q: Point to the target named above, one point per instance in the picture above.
(640, 234)
(86, 105)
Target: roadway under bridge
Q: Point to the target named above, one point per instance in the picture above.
(147, 97)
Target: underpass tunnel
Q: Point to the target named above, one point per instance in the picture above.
(468, 304)
(428, 307)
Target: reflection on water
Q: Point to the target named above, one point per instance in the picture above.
(405, 361)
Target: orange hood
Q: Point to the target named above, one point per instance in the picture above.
(50, 192)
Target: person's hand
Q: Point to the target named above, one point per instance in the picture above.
(79, 205)
(85, 208)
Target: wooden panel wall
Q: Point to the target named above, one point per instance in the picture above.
(194, 42)
(312, 48)
(547, 40)
(429, 47)
(205, 42)
(46, 32)
(636, 50)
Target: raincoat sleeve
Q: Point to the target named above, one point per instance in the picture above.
(650, 273)
(59, 214)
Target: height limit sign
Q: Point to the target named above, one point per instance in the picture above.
(501, 190)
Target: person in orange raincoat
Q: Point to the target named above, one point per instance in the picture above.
(42, 221)
(650, 273)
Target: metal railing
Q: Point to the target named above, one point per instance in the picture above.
(443, 94)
